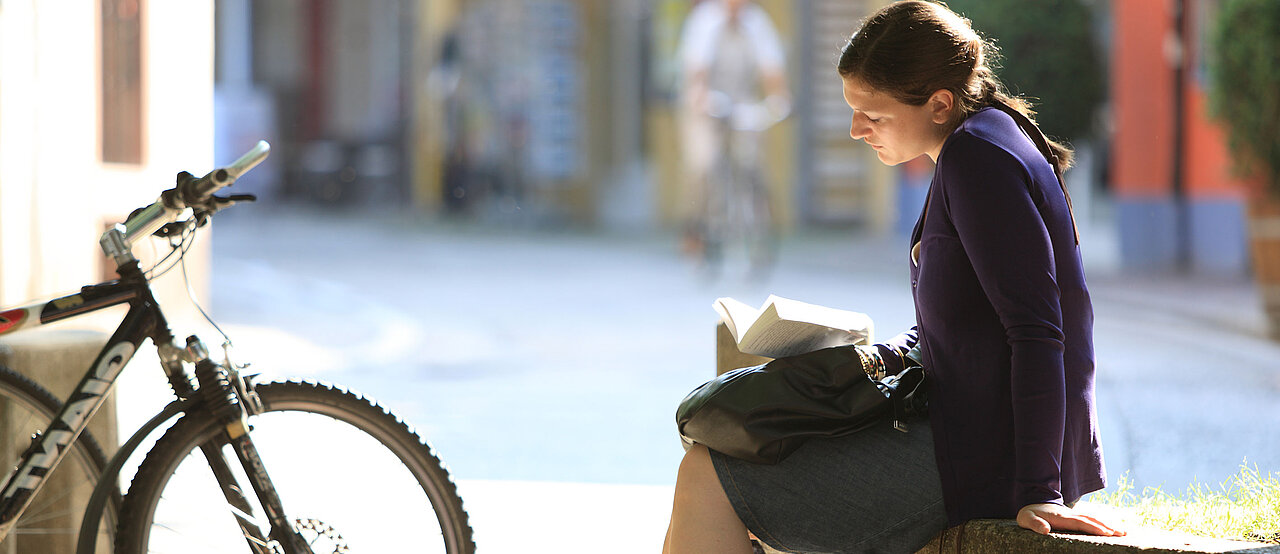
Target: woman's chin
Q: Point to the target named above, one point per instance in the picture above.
(888, 159)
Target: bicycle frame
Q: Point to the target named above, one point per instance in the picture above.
(736, 213)
(143, 320)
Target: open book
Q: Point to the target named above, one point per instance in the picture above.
(784, 327)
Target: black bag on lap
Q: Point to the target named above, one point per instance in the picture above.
(762, 414)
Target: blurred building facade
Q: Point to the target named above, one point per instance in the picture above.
(1178, 205)
(544, 110)
(527, 110)
(102, 102)
(559, 110)
(325, 82)
(564, 111)
(622, 112)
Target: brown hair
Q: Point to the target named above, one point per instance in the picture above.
(911, 49)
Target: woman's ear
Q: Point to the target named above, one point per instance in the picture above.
(942, 106)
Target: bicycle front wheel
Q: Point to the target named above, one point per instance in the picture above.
(351, 476)
(758, 232)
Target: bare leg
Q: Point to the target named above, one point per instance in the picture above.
(702, 519)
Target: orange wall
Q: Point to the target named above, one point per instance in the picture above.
(1207, 166)
(1142, 96)
(1142, 99)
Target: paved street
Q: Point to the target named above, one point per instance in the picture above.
(545, 365)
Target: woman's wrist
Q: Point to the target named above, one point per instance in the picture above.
(872, 361)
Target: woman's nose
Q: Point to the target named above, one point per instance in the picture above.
(858, 130)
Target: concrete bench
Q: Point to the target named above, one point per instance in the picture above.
(1002, 536)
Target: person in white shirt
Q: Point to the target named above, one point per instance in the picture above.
(730, 50)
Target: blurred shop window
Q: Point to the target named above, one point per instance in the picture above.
(121, 34)
(514, 109)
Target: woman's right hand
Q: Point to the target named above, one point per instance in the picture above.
(1043, 518)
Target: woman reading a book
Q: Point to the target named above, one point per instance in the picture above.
(1004, 326)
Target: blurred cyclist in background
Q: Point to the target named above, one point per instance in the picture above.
(729, 52)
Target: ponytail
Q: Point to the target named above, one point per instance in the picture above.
(1047, 147)
(992, 93)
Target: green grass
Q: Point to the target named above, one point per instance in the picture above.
(1246, 506)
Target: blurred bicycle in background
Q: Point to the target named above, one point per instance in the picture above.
(738, 228)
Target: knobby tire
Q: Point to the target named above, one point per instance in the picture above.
(294, 410)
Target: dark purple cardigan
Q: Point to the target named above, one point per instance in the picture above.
(1006, 326)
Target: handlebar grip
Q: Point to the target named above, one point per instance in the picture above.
(250, 159)
(201, 189)
(204, 187)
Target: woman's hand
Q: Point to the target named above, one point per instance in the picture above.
(1043, 518)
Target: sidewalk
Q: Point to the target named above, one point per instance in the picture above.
(545, 366)
(528, 517)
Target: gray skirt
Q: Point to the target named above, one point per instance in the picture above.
(876, 490)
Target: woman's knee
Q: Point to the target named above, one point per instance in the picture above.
(696, 467)
(697, 483)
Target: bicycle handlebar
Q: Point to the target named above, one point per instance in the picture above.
(189, 192)
(249, 160)
(738, 115)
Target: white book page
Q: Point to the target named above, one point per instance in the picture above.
(794, 310)
(788, 338)
(736, 315)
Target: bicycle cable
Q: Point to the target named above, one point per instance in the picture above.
(191, 292)
(180, 247)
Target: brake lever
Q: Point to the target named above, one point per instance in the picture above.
(218, 203)
(201, 214)
(170, 229)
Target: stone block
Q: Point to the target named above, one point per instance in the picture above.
(728, 357)
(1003, 536)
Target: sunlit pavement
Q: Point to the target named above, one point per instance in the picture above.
(545, 365)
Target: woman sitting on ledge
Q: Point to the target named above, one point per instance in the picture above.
(1004, 322)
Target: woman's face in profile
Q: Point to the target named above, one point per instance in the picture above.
(898, 132)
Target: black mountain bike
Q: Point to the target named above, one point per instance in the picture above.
(282, 468)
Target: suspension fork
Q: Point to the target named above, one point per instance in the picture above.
(281, 529)
(231, 491)
(173, 359)
(221, 392)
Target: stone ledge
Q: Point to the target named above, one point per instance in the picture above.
(58, 359)
(999, 536)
